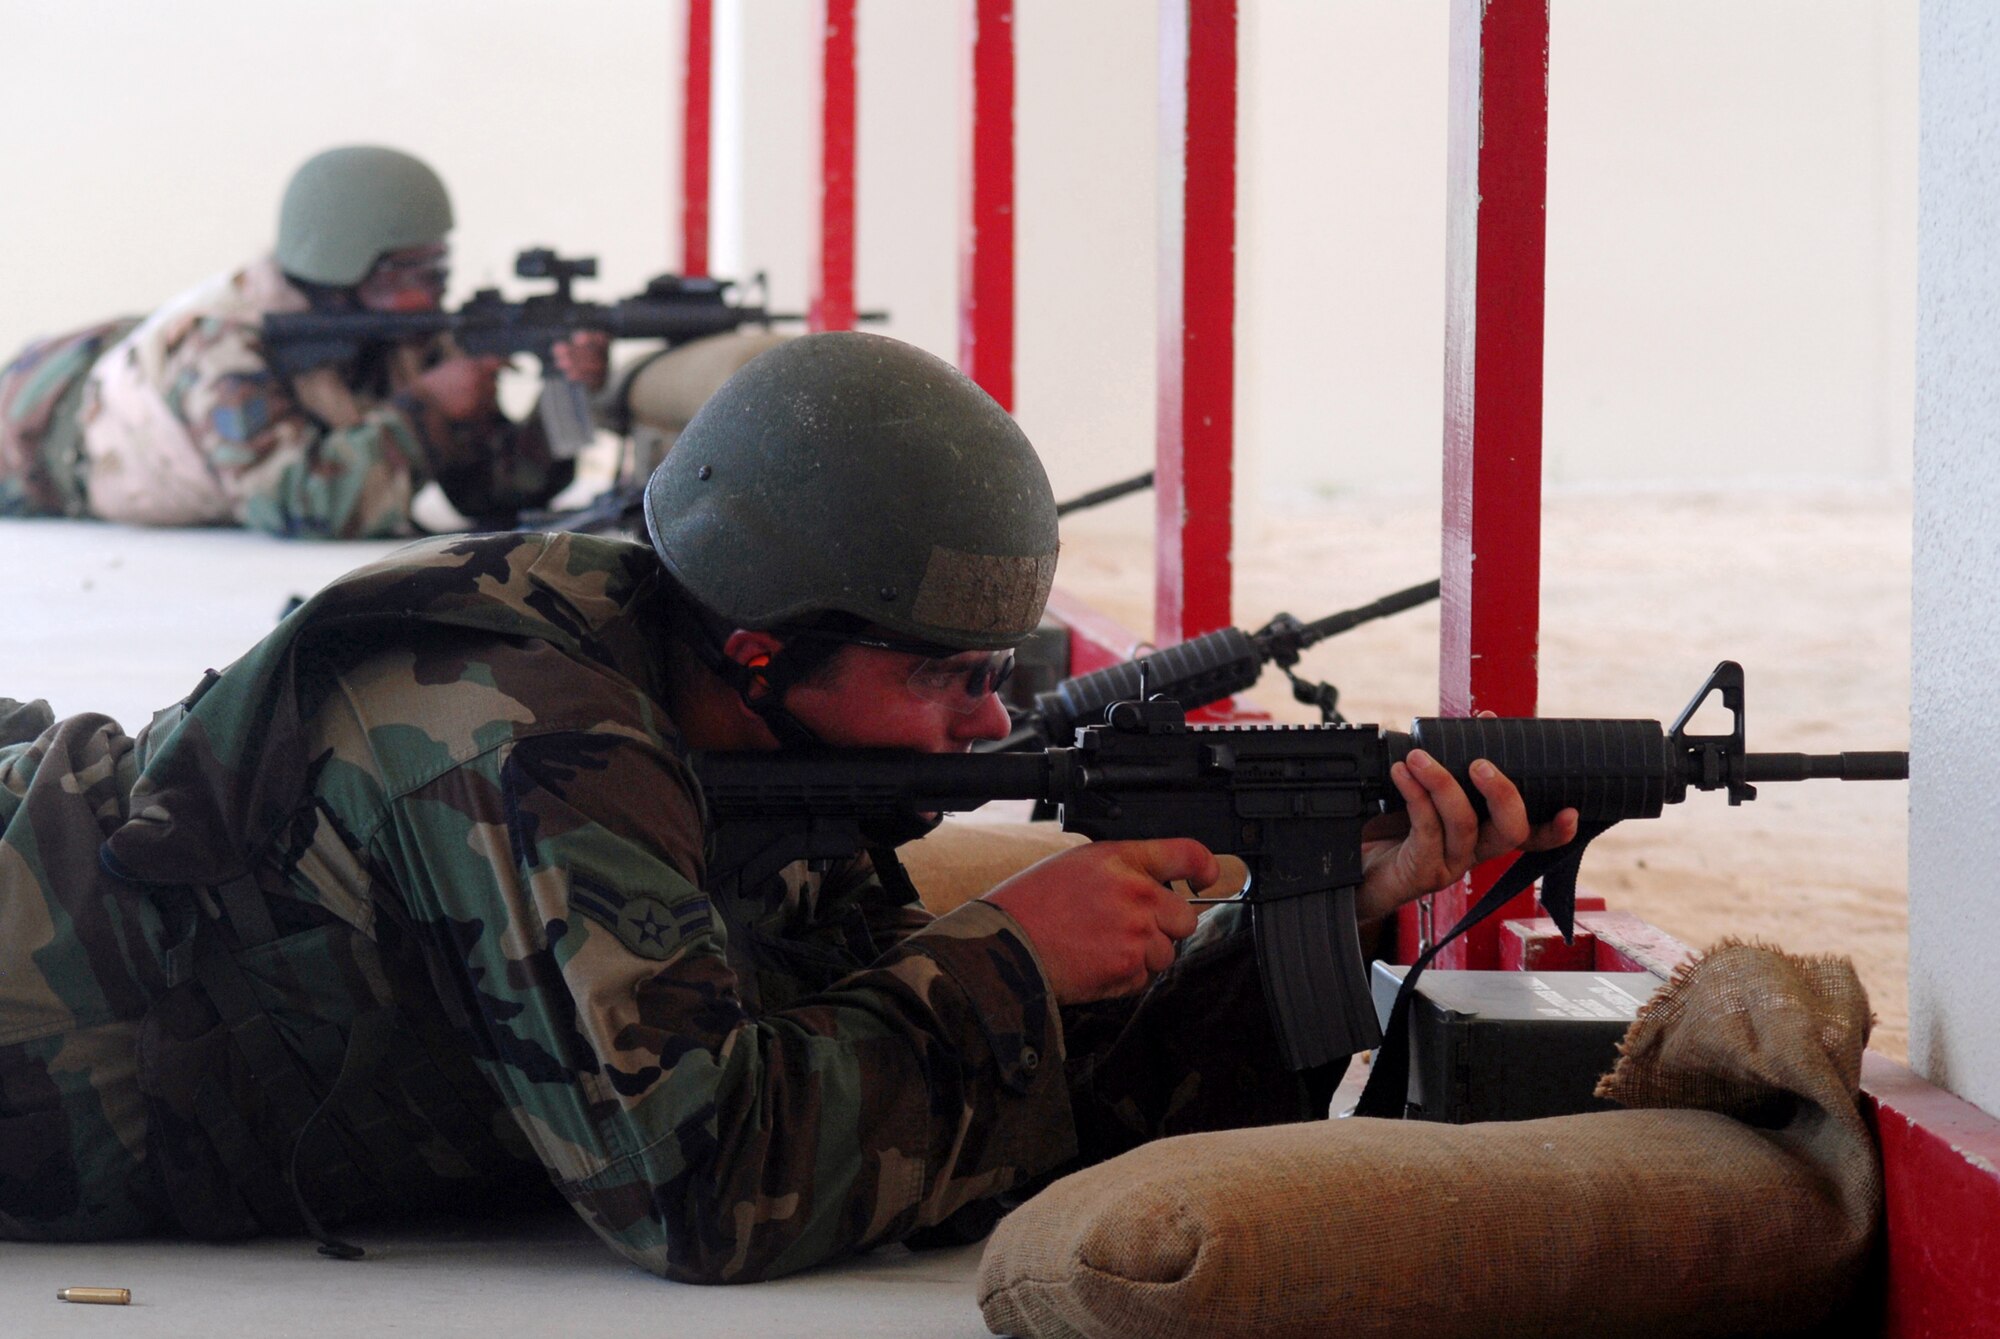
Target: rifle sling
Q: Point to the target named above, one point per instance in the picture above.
(1387, 1090)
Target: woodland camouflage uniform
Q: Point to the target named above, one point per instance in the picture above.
(438, 828)
(179, 420)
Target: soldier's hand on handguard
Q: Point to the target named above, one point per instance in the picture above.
(462, 388)
(585, 358)
(1102, 917)
(1438, 836)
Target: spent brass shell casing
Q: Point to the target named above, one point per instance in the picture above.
(104, 1296)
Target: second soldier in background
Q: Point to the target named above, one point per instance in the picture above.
(178, 419)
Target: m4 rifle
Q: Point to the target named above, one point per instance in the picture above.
(675, 308)
(1292, 802)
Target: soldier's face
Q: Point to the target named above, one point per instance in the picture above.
(410, 280)
(867, 697)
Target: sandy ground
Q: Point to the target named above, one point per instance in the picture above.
(1643, 593)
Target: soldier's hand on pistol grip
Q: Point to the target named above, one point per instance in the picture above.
(1102, 917)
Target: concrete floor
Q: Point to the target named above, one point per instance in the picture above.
(539, 1275)
(123, 621)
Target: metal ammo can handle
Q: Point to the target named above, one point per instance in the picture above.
(1194, 673)
(1604, 769)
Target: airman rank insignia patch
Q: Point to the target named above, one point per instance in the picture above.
(651, 922)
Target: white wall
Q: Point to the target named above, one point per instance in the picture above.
(1731, 208)
(1731, 200)
(1955, 691)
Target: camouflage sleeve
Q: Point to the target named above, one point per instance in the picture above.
(703, 1140)
(890, 908)
(285, 472)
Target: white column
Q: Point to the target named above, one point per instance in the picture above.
(1955, 623)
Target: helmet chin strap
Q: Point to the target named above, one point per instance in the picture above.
(775, 675)
(761, 686)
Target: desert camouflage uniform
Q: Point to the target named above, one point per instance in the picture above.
(178, 420)
(438, 830)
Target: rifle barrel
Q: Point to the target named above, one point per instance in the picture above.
(1395, 603)
(1827, 766)
(1107, 493)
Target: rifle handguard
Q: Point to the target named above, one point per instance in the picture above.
(1193, 673)
(1605, 769)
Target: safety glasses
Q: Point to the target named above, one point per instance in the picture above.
(960, 681)
(430, 272)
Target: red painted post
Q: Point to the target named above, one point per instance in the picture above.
(986, 281)
(1495, 243)
(697, 98)
(1193, 475)
(832, 305)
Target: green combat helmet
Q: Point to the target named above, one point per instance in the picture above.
(345, 207)
(856, 475)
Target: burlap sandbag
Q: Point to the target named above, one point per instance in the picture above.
(1753, 1215)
